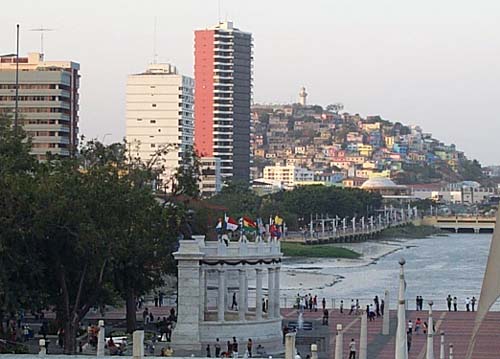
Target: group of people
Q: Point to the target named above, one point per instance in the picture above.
(308, 301)
(232, 349)
(470, 303)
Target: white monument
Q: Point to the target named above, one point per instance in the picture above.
(210, 276)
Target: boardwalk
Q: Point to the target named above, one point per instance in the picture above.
(456, 325)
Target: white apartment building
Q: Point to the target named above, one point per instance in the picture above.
(159, 114)
(288, 175)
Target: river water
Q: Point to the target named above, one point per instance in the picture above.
(435, 267)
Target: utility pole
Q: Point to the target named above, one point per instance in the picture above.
(16, 114)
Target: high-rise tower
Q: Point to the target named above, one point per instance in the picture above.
(48, 101)
(303, 97)
(223, 92)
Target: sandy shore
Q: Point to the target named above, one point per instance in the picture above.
(303, 274)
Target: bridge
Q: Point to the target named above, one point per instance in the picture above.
(340, 230)
(458, 224)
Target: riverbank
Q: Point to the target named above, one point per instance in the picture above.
(411, 231)
(294, 249)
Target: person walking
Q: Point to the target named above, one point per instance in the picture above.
(377, 305)
(208, 351)
(325, 316)
(341, 307)
(410, 326)
(417, 303)
(467, 304)
(418, 324)
(217, 348)
(315, 303)
(382, 307)
(352, 307)
(249, 347)
(323, 303)
(234, 304)
(473, 303)
(455, 304)
(408, 340)
(235, 347)
(352, 349)
(449, 300)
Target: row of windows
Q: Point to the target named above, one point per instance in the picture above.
(49, 145)
(47, 122)
(34, 87)
(47, 133)
(44, 110)
(32, 98)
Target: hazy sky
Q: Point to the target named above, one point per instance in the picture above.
(435, 63)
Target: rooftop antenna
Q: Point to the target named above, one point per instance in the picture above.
(42, 30)
(155, 54)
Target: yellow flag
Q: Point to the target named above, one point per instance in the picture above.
(278, 220)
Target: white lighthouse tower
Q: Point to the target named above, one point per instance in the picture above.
(303, 97)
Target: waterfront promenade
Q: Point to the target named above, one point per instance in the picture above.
(457, 327)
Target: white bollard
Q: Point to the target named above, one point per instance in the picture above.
(43, 348)
(290, 346)
(430, 334)
(138, 344)
(339, 343)
(363, 337)
(441, 349)
(314, 351)
(386, 318)
(451, 352)
(101, 339)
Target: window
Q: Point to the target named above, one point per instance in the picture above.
(154, 105)
(153, 145)
(139, 119)
(152, 121)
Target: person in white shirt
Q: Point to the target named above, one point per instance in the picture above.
(410, 326)
(467, 304)
(352, 349)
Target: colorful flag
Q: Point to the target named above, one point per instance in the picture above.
(249, 225)
(231, 224)
(278, 220)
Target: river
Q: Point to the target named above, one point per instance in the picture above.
(435, 267)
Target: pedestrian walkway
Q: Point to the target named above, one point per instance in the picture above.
(457, 327)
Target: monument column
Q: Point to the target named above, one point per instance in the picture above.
(277, 310)
(187, 332)
(221, 302)
(270, 292)
(241, 295)
(258, 294)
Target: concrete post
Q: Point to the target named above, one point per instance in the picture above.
(138, 344)
(401, 339)
(430, 334)
(290, 346)
(277, 309)
(101, 341)
(221, 302)
(441, 348)
(450, 356)
(387, 315)
(314, 351)
(241, 295)
(270, 293)
(363, 337)
(258, 294)
(43, 348)
(339, 343)
(203, 293)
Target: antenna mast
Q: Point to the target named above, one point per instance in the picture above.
(42, 30)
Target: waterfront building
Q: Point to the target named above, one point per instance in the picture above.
(223, 73)
(47, 101)
(159, 115)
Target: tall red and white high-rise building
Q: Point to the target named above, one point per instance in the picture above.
(223, 93)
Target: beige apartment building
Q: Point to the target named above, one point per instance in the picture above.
(159, 114)
(47, 101)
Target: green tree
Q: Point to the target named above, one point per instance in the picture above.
(187, 177)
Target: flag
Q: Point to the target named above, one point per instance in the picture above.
(231, 224)
(249, 225)
(490, 290)
(219, 225)
(278, 220)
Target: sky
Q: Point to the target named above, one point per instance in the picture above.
(430, 63)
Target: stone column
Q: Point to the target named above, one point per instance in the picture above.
(270, 292)
(138, 344)
(186, 335)
(203, 288)
(339, 343)
(258, 294)
(363, 337)
(241, 295)
(101, 340)
(221, 302)
(277, 309)
(387, 314)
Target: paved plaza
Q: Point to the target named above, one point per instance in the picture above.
(457, 327)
